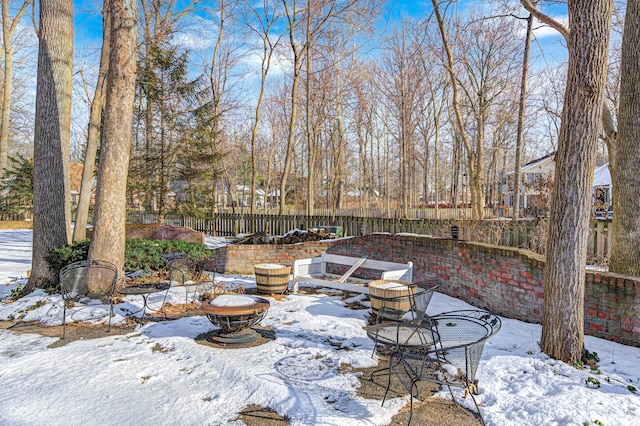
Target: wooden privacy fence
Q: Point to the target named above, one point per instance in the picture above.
(416, 213)
(527, 234)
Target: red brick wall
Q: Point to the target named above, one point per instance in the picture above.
(240, 258)
(612, 307)
(505, 280)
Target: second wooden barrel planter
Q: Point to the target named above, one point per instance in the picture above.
(393, 295)
(271, 277)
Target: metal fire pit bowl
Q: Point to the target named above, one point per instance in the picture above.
(235, 314)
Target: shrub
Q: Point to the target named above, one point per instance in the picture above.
(61, 257)
(149, 255)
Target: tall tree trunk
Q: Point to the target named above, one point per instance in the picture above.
(625, 254)
(8, 28)
(6, 86)
(449, 65)
(109, 234)
(520, 134)
(93, 135)
(311, 135)
(297, 58)
(564, 272)
(266, 60)
(476, 167)
(291, 140)
(51, 196)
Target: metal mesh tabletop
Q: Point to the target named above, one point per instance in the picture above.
(402, 335)
(460, 331)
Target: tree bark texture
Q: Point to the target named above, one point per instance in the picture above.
(109, 237)
(625, 253)
(563, 316)
(51, 196)
(93, 135)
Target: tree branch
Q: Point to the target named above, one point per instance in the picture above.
(545, 19)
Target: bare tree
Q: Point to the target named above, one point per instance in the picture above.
(297, 50)
(403, 80)
(52, 203)
(564, 272)
(316, 17)
(109, 233)
(8, 30)
(488, 63)
(459, 122)
(264, 22)
(521, 114)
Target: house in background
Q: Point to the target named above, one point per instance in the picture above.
(537, 184)
(536, 177)
(75, 180)
(602, 201)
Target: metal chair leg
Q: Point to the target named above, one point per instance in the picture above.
(110, 315)
(64, 318)
(386, 392)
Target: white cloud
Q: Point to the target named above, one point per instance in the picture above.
(193, 41)
(542, 30)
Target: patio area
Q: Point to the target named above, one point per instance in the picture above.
(308, 371)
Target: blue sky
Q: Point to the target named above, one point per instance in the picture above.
(88, 22)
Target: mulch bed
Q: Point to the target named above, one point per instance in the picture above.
(75, 331)
(426, 410)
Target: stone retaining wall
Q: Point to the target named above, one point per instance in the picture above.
(505, 280)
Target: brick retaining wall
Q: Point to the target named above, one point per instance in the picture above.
(505, 280)
(240, 258)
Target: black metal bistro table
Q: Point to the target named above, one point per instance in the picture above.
(402, 335)
(428, 350)
(403, 340)
(144, 290)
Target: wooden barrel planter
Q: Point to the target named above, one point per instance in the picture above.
(271, 277)
(393, 295)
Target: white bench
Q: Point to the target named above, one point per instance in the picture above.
(313, 271)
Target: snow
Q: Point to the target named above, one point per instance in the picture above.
(270, 266)
(392, 286)
(159, 374)
(225, 300)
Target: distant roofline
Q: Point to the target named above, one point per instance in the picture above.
(532, 163)
(539, 159)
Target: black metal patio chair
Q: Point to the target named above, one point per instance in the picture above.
(85, 282)
(419, 297)
(188, 273)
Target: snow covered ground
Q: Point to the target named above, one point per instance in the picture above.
(160, 375)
